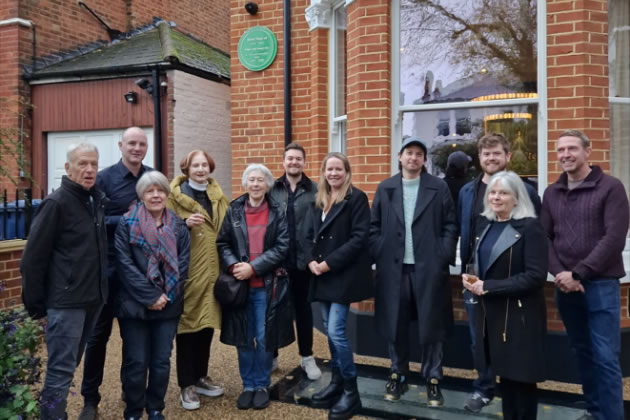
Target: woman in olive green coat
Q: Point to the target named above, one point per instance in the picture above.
(199, 201)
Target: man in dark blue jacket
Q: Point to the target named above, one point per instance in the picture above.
(118, 182)
(494, 155)
(64, 272)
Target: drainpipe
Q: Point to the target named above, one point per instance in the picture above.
(157, 118)
(287, 71)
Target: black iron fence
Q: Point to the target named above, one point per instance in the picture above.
(16, 213)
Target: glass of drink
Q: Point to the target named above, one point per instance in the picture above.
(471, 275)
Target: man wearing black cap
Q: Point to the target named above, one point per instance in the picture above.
(413, 234)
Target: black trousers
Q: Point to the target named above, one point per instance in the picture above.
(193, 355)
(300, 281)
(95, 350)
(431, 358)
(520, 400)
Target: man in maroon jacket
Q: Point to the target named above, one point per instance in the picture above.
(585, 213)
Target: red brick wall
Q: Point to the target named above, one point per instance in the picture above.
(577, 75)
(10, 280)
(369, 92)
(257, 97)
(63, 25)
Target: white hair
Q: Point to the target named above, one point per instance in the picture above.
(73, 148)
(258, 167)
(152, 178)
(512, 183)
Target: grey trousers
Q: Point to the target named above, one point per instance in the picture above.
(67, 331)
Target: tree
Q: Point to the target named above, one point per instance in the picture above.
(495, 37)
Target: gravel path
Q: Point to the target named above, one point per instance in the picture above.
(224, 370)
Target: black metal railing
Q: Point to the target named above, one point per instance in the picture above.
(16, 215)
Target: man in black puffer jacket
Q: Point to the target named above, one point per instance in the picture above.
(64, 272)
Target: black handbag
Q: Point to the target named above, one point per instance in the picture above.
(230, 292)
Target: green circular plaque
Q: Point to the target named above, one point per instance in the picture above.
(257, 48)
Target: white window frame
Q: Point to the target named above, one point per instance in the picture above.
(398, 110)
(621, 100)
(337, 124)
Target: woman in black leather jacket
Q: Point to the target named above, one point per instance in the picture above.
(152, 249)
(252, 243)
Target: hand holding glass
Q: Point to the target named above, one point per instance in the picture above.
(471, 277)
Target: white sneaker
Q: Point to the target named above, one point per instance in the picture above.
(274, 364)
(205, 386)
(189, 399)
(310, 367)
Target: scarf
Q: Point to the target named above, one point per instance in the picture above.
(159, 246)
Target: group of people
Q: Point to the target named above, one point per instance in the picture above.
(125, 243)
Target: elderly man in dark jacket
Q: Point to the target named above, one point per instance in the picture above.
(64, 272)
(412, 238)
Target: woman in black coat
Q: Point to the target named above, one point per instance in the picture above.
(253, 243)
(341, 268)
(152, 250)
(511, 260)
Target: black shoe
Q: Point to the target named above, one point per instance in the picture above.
(261, 399)
(245, 400)
(156, 415)
(434, 395)
(88, 412)
(328, 396)
(395, 388)
(476, 402)
(349, 404)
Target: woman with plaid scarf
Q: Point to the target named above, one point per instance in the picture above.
(152, 249)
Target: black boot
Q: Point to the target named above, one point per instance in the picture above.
(328, 396)
(350, 402)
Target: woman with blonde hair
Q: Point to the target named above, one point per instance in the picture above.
(198, 199)
(340, 265)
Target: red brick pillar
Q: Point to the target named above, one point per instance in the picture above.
(369, 92)
(577, 75)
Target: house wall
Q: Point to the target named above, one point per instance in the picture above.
(202, 121)
(62, 25)
(91, 105)
(577, 96)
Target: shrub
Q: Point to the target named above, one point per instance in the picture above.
(19, 364)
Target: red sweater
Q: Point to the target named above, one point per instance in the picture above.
(256, 219)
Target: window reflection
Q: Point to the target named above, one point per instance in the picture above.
(619, 79)
(462, 50)
(447, 131)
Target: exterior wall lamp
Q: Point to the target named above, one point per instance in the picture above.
(131, 97)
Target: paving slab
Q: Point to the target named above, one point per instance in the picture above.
(295, 388)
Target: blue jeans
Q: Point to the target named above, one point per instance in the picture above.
(334, 319)
(146, 347)
(592, 323)
(254, 361)
(485, 383)
(67, 331)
